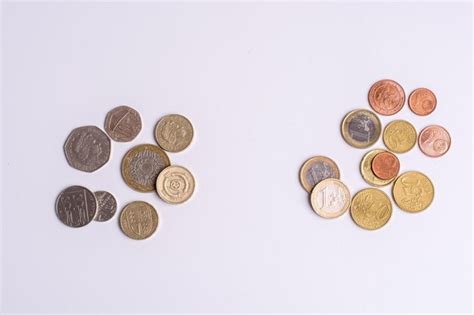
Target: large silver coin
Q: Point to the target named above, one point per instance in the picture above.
(87, 148)
(106, 206)
(76, 206)
(123, 123)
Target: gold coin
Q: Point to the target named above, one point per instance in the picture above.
(175, 184)
(361, 128)
(399, 136)
(141, 166)
(315, 170)
(138, 220)
(371, 209)
(413, 191)
(366, 170)
(174, 133)
(330, 198)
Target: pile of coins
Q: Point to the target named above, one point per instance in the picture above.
(145, 168)
(412, 191)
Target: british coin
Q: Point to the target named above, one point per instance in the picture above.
(361, 128)
(76, 206)
(141, 166)
(106, 206)
(386, 97)
(385, 165)
(123, 123)
(317, 169)
(138, 220)
(422, 101)
(175, 184)
(87, 148)
(413, 191)
(330, 198)
(434, 141)
(366, 169)
(174, 133)
(371, 208)
(399, 136)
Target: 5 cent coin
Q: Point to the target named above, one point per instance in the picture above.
(330, 198)
(317, 169)
(123, 123)
(386, 97)
(174, 133)
(76, 206)
(371, 209)
(138, 220)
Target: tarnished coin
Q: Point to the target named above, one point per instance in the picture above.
(141, 166)
(371, 208)
(385, 165)
(330, 198)
(413, 191)
(87, 148)
(434, 141)
(422, 101)
(76, 206)
(315, 170)
(175, 184)
(174, 133)
(366, 169)
(386, 97)
(123, 123)
(361, 128)
(138, 220)
(106, 206)
(399, 136)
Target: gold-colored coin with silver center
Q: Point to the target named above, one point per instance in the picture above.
(330, 198)
(367, 172)
(399, 136)
(174, 133)
(413, 191)
(371, 209)
(317, 169)
(138, 220)
(361, 128)
(175, 184)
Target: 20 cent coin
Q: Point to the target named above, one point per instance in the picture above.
(413, 191)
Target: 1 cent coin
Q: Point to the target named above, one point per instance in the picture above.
(76, 206)
(317, 169)
(174, 133)
(399, 136)
(366, 169)
(138, 220)
(175, 184)
(330, 198)
(106, 206)
(413, 191)
(434, 141)
(361, 128)
(371, 209)
(123, 123)
(386, 97)
(385, 165)
(422, 101)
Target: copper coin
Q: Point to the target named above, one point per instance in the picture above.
(434, 141)
(386, 97)
(385, 165)
(422, 101)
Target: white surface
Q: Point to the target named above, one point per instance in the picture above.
(266, 86)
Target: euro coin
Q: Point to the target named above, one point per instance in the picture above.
(317, 169)
(330, 198)
(422, 101)
(434, 141)
(413, 191)
(399, 136)
(371, 208)
(386, 97)
(367, 172)
(385, 165)
(361, 128)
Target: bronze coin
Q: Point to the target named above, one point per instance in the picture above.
(434, 141)
(138, 220)
(422, 101)
(386, 97)
(385, 165)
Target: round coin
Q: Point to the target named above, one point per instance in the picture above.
(174, 133)
(175, 184)
(399, 136)
(141, 166)
(371, 208)
(106, 206)
(330, 198)
(366, 169)
(317, 169)
(76, 206)
(422, 101)
(385, 165)
(361, 128)
(123, 123)
(413, 191)
(138, 220)
(386, 97)
(434, 141)
(87, 148)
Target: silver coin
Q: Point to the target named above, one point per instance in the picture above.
(76, 206)
(106, 206)
(87, 148)
(123, 123)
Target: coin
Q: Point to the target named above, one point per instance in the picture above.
(141, 166)
(434, 141)
(386, 97)
(361, 128)
(175, 184)
(413, 191)
(385, 165)
(76, 206)
(87, 148)
(174, 133)
(371, 208)
(330, 198)
(422, 101)
(106, 206)
(315, 170)
(399, 136)
(123, 123)
(138, 220)
(366, 169)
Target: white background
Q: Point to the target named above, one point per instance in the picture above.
(266, 87)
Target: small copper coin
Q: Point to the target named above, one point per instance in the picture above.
(434, 141)
(422, 101)
(385, 165)
(123, 123)
(386, 97)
